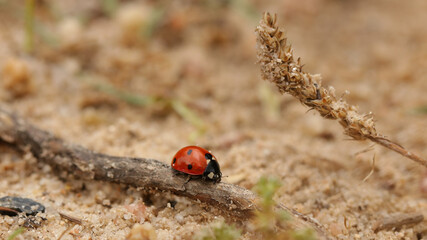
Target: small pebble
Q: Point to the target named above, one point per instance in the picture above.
(142, 231)
(127, 216)
(16, 78)
(26, 205)
(179, 218)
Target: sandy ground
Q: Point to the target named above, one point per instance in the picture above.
(202, 54)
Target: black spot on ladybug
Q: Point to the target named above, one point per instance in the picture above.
(208, 156)
(189, 166)
(189, 152)
(174, 160)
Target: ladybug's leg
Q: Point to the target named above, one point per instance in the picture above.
(186, 181)
(176, 172)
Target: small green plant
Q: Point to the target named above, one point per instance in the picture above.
(269, 101)
(219, 231)
(29, 25)
(109, 6)
(132, 99)
(190, 116)
(420, 110)
(303, 234)
(247, 8)
(267, 218)
(156, 16)
(272, 223)
(16, 233)
(141, 101)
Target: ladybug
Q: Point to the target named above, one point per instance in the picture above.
(193, 160)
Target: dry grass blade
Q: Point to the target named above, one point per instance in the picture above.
(279, 66)
(372, 170)
(65, 231)
(399, 149)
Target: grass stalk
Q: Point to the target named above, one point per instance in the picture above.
(29, 25)
(278, 65)
(16, 233)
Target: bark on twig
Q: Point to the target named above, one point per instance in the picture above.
(138, 172)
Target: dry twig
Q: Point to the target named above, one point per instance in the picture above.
(279, 66)
(65, 231)
(138, 172)
(70, 218)
(397, 221)
(73, 220)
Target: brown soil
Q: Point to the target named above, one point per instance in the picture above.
(202, 53)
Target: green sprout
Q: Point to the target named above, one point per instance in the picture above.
(219, 231)
(267, 217)
(132, 99)
(303, 234)
(156, 16)
(247, 9)
(109, 6)
(266, 188)
(190, 116)
(16, 233)
(244, 7)
(29, 25)
(269, 221)
(420, 110)
(270, 101)
(142, 101)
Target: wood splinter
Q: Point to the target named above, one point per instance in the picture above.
(70, 218)
(398, 221)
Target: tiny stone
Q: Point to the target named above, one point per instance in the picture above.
(26, 205)
(127, 216)
(9, 220)
(179, 218)
(106, 202)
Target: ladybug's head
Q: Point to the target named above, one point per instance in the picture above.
(212, 171)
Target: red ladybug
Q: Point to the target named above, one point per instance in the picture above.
(193, 160)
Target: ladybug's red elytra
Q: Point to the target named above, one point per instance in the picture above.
(193, 160)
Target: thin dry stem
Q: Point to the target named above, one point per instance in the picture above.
(372, 170)
(279, 66)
